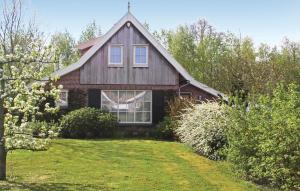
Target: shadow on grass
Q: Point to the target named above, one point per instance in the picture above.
(10, 185)
(122, 139)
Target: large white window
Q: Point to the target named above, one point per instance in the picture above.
(115, 55)
(63, 98)
(140, 56)
(128, 105)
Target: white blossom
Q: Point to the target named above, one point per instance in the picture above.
(21, 100)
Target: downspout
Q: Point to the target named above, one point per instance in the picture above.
(179, 89)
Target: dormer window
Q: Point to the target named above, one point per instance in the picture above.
(140, 56)
(115, 55)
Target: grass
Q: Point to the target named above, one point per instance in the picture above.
(118, 165)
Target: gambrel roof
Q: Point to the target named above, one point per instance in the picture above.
(128, 17)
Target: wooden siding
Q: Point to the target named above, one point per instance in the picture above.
(158, 72)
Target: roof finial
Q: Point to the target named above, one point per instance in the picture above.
(128, 6)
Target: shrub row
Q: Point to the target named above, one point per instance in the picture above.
(88, 123)
(261, 138)
(264, 139)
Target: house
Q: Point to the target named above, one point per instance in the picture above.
(127, 72)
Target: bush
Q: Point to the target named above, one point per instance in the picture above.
(175, 108)
(43, 129)
(88, 123)
(264, 139)
(165, 129)
(203, 128)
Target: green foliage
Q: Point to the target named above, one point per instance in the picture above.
(43, 129)
(230, 63)
(165, 129)
(176, 107)
(264, 139)
(65, 50)
(90, 32)
(87, 123)
(203, 128)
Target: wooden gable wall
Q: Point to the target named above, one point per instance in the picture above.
(158, 72)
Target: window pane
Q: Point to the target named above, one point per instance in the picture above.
(148, 96)
(63, 96)
(115, 54)
(147, 106)
(63, 99)
(126, 101)
(109, 100)
(140, 55)
(130, 101)
(115, 114)
(122, 116)
(139, 106)
(128, 106)
(138, 117)
(142, 117)
(139, 96)
(130, 117)
(146, 116)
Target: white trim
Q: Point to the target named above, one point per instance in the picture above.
(118, 111)
(60, 103)
(111, 64)
(147, 55)
(128, 17)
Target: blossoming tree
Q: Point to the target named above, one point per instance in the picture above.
(24, 60)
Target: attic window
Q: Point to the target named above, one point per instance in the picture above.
(115, 55)
(140, 56)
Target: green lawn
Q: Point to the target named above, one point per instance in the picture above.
(117, 165)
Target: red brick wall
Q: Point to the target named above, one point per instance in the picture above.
(196, 92)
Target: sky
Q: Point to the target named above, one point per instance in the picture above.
(265, 21)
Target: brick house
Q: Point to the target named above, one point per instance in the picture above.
(127, 72)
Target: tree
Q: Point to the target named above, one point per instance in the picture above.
(65, 50)
(24, 60)
(264, 138)
(230, 63)
(90, 32)
(181, 44)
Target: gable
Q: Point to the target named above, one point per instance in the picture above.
(128, 17)
(97, 70)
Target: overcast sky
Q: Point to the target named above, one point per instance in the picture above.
(267, 21)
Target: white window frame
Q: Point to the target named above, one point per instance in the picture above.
(111, 64)
(59, 103)
(134, 121)
(147, 55)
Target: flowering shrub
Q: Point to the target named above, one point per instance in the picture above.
(42, 129)
(203, 128)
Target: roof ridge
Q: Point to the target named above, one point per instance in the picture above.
(129, 17)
